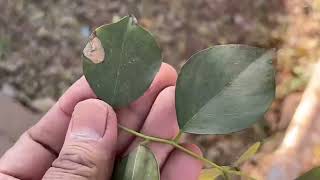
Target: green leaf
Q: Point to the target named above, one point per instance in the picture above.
(224, 89)
(249, 153)
(210, 174)
(140, 164)
(120, 61)
(311, 175)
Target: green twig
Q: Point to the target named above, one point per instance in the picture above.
(177, 138)
(173, 143)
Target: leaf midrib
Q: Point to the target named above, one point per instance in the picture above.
(228, 84)
(120, 61)
(134, 162)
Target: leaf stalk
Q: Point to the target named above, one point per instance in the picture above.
(177, 138)
(175, 144)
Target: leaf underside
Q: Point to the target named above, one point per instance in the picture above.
(132, 59)
(140, 164)
(224, 89)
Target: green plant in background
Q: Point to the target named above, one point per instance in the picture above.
(220, 90)
(4, 47)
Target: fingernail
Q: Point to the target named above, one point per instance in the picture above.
(89, 120)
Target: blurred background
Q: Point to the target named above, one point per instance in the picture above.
(41, 44)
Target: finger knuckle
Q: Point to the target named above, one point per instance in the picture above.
(75, 160)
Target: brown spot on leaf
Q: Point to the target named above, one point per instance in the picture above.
(94, 50)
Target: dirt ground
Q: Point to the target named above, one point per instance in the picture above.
(41, 43)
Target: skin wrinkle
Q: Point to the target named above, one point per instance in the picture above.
(78, 154)
(44, 145)
(82, 164)
(69, 166)
(59, 173)
(68, 101)
(60, 107)
(5, 173)
(39, 135)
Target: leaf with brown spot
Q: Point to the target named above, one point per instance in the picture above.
(122, 67)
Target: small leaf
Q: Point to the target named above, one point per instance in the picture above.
(224, 89)
(120, 61)
(140, 164)
(210, 174)
(313, 174)
(249, 153)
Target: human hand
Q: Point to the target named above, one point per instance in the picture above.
(78, 138)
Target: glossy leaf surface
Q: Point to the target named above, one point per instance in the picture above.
(123, 68)
(224, 89)
(140, 164)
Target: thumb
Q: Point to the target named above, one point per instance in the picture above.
(89, 148)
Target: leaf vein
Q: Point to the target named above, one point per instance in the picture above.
(120, 62)
(226, 86)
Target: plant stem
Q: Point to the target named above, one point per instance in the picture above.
(173, 143)
(177, 138)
